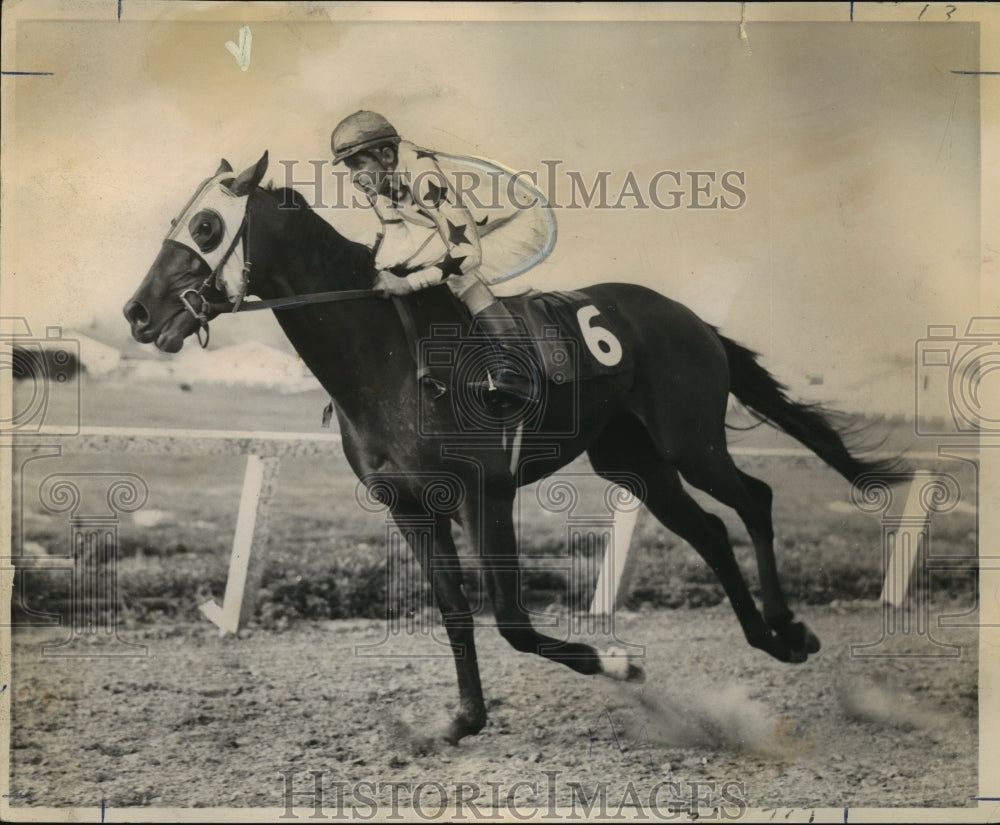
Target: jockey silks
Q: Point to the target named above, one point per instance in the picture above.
(451, 216)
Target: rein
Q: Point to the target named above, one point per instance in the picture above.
(239, 305)
(293, 301)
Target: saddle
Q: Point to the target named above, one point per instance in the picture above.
(565, 335)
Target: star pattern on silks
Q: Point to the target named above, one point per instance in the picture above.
(450, 265)
(436, 195)
(423, 153)
(456, 234)
(483, 221)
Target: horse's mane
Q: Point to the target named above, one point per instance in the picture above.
(286, 194)
(340, 254)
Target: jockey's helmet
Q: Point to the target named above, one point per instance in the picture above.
(360, 131)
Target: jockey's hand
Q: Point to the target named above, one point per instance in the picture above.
(388, 285)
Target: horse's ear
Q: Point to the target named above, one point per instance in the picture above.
(250, 178)
(223, 167)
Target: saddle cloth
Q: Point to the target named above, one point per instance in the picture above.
(563, 332)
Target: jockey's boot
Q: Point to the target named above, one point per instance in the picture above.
(515, 378)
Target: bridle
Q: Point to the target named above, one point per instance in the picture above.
(205, 307)
(201, 314)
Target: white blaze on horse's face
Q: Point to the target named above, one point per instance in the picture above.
(209, 226)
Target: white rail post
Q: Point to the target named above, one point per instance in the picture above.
(616, 571)
(906, 547)
(263, 450)
(246, 564)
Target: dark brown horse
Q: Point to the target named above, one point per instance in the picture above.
(661, 419)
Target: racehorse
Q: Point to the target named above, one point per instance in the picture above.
(659, 421)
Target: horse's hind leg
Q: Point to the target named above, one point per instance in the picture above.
(713, 471)
(760, 527)
(439, 561)
(626, 446)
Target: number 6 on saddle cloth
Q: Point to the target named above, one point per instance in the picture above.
(561, 336)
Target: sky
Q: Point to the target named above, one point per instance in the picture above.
(856, 145)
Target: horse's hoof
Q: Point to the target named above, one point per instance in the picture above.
(462, 726)
(798, 637)
(617, 664)
(800, 653)
(797, 656)
(778, 646)
(635, 674)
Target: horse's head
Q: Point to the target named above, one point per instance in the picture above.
(200, 265)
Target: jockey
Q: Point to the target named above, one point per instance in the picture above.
(429, 235)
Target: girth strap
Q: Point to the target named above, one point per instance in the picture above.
(410, 331)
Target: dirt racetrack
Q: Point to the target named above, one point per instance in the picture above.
(207, 722)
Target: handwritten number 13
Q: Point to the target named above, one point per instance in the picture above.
(950, 11)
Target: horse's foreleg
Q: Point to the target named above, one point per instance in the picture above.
(439, 561)
(490, 526)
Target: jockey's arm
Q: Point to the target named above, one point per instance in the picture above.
(433, 194)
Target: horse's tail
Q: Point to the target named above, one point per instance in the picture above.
(809, 424)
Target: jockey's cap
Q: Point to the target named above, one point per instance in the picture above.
(359, 131)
